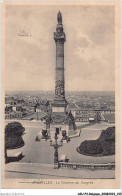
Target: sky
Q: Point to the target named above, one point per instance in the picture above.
(89, 58)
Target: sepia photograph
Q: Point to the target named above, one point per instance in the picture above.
(60, 95)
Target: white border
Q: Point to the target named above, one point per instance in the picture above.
(64, 191)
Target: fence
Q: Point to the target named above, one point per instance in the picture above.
(92, 166)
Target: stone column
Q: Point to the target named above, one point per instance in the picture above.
(60, 38)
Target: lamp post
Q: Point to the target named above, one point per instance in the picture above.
(56, 146)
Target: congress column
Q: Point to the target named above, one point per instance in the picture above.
(60, 103)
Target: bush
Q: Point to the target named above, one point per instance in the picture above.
(14, 142)
(13, 135)
(108, 134)
(103, 146)
(14, 128)
(92, 147)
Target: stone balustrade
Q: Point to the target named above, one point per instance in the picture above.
(91, 166)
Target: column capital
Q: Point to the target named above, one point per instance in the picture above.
(59, 37)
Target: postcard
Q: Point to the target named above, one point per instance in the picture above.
(60, 95)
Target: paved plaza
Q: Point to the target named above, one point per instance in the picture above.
(41, 152)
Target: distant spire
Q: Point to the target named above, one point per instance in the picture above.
(59, 18)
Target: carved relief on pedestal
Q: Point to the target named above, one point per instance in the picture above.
(59, 89)
(58, 119)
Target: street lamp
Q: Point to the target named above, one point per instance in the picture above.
(56, 146)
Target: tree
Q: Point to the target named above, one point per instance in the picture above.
(13, 137)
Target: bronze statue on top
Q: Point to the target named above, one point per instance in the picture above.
(59, 17)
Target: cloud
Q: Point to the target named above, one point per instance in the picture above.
(89, 47)
(84, 40)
